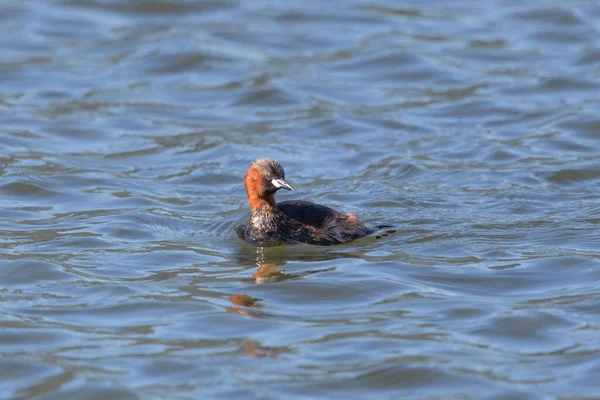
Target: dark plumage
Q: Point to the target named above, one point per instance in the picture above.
(291, 221)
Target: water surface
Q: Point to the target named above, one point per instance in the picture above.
(471, 127)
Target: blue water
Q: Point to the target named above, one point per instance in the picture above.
(126, 128)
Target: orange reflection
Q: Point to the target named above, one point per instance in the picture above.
(253, 349)
(243, 300)
(268, 273)
(246, 302)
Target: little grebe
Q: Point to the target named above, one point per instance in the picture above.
(290, 221)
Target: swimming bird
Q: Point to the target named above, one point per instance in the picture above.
(294, 221)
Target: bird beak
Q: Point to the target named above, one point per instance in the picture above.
(280, 183)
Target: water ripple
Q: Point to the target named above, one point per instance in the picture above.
(469, 128)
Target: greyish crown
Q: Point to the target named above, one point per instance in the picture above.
(270, 168)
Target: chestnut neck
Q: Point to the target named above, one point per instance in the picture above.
(257, 197)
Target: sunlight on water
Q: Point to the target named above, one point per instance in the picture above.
(471, 128)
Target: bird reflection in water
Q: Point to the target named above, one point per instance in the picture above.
(248, 306)
(269, 272)
(245, 305)
(266, 273)
(270, 262)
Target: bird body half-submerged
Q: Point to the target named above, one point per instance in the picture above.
(291, 221)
